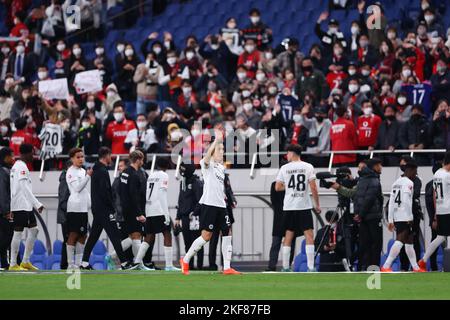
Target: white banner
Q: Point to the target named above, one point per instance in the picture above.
(88, 81)
(54, 89)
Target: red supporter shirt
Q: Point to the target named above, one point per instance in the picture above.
(343, 137)
(334, 79)
(18, 138)
(250, 60)
(116, 133)
(368, 130)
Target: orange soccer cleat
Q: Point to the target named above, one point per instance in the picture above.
(419, 270)
(184, 266)
(231, 271)
(383, 269)
(422, 265)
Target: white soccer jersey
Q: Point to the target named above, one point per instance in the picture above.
(401, 200)
(441, 183)
(22, 198)
(296, 176)
(214, 184)
(157, 185)
(77, 181)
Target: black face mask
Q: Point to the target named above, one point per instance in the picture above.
(390, 118)
(403, 167)
(319, 119)
(307, 69)
(416, 117)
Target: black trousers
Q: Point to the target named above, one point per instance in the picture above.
(102, 222)
(6, 234)
(404, 260)
(65, 233)
(370, 243)
(275, 251)
(213, 243)
(433, 257)
(189, 236)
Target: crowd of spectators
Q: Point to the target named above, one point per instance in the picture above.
(357, 89)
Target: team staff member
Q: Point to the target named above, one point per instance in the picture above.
(61, 215)
(22, 203)
(431, 210)
(103, 211)
(6, 226)
(78, 205)
(213, 213)
(297, 178)
(368, 202)
(441, 221)
(191, 190)
(400, 217)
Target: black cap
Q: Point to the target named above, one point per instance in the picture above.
(345, 170)
(373, 162)
(293, 42)
(333, 22)
(320, 109)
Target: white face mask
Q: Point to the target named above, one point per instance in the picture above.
(429, 18)
(141, 124)
(406, 73)
(110, 94)
(269, 55)
(241, 75)
(353, 88)
(385, 88)
(167, 44)
(189, 55)
(246, 93)
(171, 61)
(42, 75)
(273, 90)
(65, 125)
(3, 130)
(90, 104)
(354, 30)
(61, 47)
(187, 91)
(260, 76)
(365, 72)
(77, 51)
(367, 111)
(333, 30)
(351, 72)
(249, 48)
(247, 106)
(129, 52)
(99, 51)
(157, 50)
(120, 48)
(5, 50)
(20, 49)
(401, 100)
(297, 118)
(118, 116)
(254, 19)
(175, 135)
(391, 35)
(85, 124)
(195, 132)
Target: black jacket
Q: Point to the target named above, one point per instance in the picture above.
(277, 198)
(369, 197)
(388, 135)
(440, 133)
(101, 191)
(191, 190)
(415, 132)
(116, 199)
(143, 176)
(417, 208)
(429, 201)
(129, 193)
(63, 197)
(5, 198)
(230, 198)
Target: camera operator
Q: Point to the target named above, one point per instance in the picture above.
(328, 243)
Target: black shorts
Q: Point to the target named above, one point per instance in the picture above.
(24, 219)
(77, 222)
(154, 225)
(131, 225)
(298, 220)
(443, 224)
(213, 218)
(403, 226)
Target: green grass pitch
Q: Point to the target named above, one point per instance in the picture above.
(209, 285)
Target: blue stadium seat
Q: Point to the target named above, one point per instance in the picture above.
(97, 259)
(39, 255)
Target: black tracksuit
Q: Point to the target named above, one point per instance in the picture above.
(431, 210)
(130, 196)
(103, 212)
(191, 190)
(6, 226)
(369, 206)
(61, 216)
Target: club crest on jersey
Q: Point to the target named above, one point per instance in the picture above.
(211, 226)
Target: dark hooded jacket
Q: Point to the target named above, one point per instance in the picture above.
(369, 196)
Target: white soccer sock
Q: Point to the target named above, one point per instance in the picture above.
(227, 252)
(79, 248)
(135, 246)
(432, 247)
(15, 244)
(393, 253)
(70, 254)
(29, 243)
(141, 253)
(168, 254)
(409, 249)
(309, 248)
(285, 253)
(126, 243)
(196, 246)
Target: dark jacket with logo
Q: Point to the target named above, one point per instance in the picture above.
(63, 197)
(129, 193)
(191, 190)
(101, 191)
(369, 197)
(5, 197)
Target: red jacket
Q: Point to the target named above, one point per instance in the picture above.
(117, 132)
(343, 137)
(368, 130)
(18, 138)
(250, 60)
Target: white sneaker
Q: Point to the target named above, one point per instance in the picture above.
(172, 268)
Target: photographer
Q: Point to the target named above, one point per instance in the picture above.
(328, 243)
